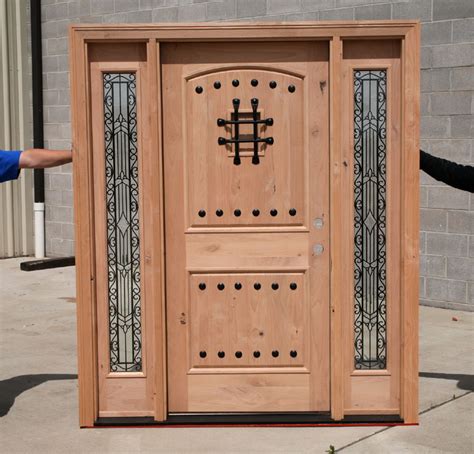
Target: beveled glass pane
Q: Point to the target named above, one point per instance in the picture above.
(370, 147)
(123, 235)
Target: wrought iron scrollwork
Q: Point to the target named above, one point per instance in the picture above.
(236, 139)
(123, 236)
(370, 149)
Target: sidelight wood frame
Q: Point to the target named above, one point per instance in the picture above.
(335, 33)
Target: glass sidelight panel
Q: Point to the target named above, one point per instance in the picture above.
(370, 147)
(123, 236)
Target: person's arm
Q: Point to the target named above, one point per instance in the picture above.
(456, 175)
(37, 158)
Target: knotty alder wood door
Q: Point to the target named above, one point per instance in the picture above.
(245, 135)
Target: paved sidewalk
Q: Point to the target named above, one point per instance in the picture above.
(38, 388)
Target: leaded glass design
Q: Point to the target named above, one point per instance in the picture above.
(123, 236)
(370, 148)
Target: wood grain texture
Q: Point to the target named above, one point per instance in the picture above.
(85, 259)
(246, 320)
(410, 222)
(245, 31)
(201, 176)
(154, 230)
(336, 225)
(250, 393)
(261, 251)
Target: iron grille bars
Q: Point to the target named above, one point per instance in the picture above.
(237, 139)
(123, 235)
(370, 147)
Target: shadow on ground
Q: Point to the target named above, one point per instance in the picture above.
(11, 388)
(465, 381)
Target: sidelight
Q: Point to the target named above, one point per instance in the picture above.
(123, 230)
(370, 149)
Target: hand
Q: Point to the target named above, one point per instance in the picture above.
(38, 158)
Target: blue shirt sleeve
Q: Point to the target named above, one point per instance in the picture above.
(9, 165)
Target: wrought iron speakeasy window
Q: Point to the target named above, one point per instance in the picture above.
(123, 236)
(370, 149)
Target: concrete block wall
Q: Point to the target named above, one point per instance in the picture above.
(447, 128)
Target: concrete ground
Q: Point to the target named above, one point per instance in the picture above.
(38, 388)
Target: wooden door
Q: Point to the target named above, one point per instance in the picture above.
(246, 226)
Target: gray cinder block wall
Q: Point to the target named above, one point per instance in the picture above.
(447, 85)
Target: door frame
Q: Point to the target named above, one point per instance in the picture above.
(336, 34)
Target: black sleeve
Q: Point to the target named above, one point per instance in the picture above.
(455, 175)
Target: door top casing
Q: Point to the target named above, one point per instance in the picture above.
(244, 31)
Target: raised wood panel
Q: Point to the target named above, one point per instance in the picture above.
(249, 393)
(362, 390)
(125, 396)
(277, 182)
(252, 251)
(250, 319)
